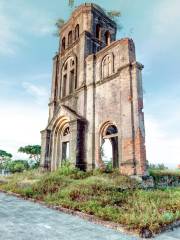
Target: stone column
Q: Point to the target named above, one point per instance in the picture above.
(90, 112)
(77, 146)
(45, 140)
(127, 161)
(73, 141)
(138, 116)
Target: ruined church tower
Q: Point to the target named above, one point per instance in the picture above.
(96, 94)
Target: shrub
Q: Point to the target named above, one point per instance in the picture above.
(14, 166)
(50, 183)
(66, 169)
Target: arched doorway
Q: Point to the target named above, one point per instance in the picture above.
(109, 145)
(106, 152)
(60, 142)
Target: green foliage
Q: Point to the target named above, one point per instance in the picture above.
(34, 151)
(16, 165)
(49, 184)
(66, 168)
(4, 154)
(109, 167)
(113, 14)
(163, 173)
(59, 24)
(109, 196)
(71, 3)
(157, 167)
(164, 178)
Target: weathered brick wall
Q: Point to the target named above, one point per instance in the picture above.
(117, 98)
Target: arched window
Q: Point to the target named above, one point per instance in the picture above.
(109, 144)
(107, 66)
(98, 31)
(77, 32)
(112, 129)
(69, 78)
(107, 37)
(70, 38)
(63, 44)
(66, 131)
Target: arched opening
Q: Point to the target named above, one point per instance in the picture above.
(63, 45)
(106, 151)
(60, 142)
(70, 38)
(107, 38)
(77, 32)
(107, 66)
(65, 144)
(98, 31)
(109, 145)
(69, 76)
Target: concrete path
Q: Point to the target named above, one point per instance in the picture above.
(24, 220)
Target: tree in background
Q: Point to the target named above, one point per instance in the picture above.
(14, 166)
(34, 152)
(4, 156)
(157, 166)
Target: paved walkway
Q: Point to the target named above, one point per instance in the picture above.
(24, 220)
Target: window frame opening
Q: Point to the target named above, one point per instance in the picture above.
(63, 44)
(76, 32)
(98, 32)
(107, 38)
(71, 80)
(64, 85)
(70, 38)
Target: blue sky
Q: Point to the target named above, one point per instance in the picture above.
(27, 46)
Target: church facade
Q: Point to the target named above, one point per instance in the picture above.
(96, 95)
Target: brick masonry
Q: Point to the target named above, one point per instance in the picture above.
(96, 84)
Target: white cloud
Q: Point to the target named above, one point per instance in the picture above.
(43, 28)
(9, 38)
(20, 124)
(14, 27)
(163, 35)
(38, 92)
(162, 146)
(166, 18)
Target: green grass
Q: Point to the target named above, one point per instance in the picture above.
(109, 196)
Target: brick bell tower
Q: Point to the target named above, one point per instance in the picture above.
(96, 95)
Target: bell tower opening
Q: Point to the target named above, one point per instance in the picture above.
(98, 32)
(107, 38)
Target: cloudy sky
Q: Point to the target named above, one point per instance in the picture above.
(27, 46)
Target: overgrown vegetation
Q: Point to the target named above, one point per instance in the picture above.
(109, 196)
(112, 14)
